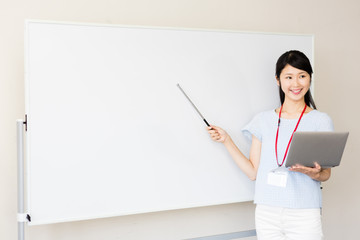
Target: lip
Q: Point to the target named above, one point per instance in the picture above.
(296, 91)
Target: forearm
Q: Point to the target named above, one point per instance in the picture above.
(323, 175)
(317, 173)
(243, 162)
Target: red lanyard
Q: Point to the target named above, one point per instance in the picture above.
(277, 136)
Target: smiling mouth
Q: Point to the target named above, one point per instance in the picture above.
(296, 91)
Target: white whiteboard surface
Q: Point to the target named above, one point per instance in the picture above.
(110, 134)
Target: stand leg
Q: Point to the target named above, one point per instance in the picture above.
(20, 160)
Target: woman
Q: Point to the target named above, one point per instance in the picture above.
(288, 200)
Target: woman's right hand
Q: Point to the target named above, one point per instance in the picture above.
(217, 134)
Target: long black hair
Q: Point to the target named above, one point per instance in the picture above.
(297, 60)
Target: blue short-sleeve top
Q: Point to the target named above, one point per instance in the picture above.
(301, 191)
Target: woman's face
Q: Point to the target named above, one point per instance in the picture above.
(294, 82)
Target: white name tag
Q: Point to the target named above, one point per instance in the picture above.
(278, 177)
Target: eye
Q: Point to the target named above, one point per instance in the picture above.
(302, 76)
(288, 77)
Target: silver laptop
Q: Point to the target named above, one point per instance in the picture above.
(325, 148)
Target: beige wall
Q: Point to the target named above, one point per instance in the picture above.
(337, 47)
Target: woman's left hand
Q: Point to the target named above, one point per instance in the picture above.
(312, 172)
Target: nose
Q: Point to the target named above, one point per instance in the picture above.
(296, 81)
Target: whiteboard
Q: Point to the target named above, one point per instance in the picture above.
(110, 134)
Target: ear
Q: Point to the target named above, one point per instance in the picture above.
(277, 81)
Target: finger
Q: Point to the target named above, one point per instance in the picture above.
(296, 166)
(215, 135)
(317, 166)
(216, 128)
(300, 168)
(295, 169)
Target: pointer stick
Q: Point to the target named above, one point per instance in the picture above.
(193, 105)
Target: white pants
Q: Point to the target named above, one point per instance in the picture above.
(275, 223)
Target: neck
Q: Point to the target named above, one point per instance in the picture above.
(292, 107)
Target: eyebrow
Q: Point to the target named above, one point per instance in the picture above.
(293, 73)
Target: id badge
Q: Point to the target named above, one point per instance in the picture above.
(278, 177)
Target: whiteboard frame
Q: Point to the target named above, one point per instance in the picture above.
(29, 21)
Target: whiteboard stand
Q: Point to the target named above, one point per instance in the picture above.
(22, 217)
